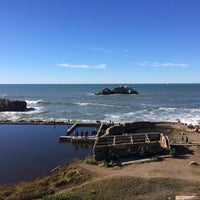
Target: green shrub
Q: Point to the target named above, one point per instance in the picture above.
(107, 164)
(90, 160)
(143, 151)
(155, 159)
(173, 152)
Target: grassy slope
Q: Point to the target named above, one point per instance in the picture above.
(117, 188)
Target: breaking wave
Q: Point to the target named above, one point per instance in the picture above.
(184, 115)
(46, 103)
(17, 116)
(93, 104)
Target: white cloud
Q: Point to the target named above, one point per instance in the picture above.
(101, 49)
(100, 66)
(145, 63)
(82, 66)
(169, 64)
(159, 64)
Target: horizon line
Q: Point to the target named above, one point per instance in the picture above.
(97, 83)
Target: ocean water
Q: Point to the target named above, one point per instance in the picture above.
(77, 102)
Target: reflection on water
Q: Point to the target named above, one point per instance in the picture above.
(82, 146)
(29, 151)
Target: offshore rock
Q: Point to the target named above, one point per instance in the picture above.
(105, 91)
(118, 90)
(8, 105)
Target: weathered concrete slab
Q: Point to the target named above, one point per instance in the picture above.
(187, 197)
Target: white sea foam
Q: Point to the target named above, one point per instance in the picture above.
(185, 115)
(93, 104)
(167, 109)
(16, 116)
(33, 102)
(101, 105)
(90, 94)
(33, 106)
(13, 116)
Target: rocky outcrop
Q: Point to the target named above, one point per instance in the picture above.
(105, 91)
(118, 90)
(8, 105)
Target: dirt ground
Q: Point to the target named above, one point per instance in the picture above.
(179, 168)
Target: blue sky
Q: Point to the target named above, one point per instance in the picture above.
(99, 41)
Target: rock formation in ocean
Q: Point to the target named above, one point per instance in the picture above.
(105, 91)
(8, 105)
(118, 90)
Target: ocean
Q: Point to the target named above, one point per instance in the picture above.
(78, 102)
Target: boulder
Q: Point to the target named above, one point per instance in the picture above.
(118, 90)
(8, 105)
(193, 163)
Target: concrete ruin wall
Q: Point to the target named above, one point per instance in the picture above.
(104, 152)
(119, 129)
(113, 147)
(121, 140)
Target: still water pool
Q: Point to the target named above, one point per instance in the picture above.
(29, 151)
